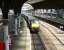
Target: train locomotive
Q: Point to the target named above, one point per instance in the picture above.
(32, 23)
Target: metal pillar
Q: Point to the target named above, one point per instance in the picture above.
(6, 36)
(16, 33)
(17, 24)
(19, 20)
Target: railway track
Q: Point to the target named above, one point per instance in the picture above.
(36, 44)
(53, 33)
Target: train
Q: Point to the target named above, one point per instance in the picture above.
(32, 23)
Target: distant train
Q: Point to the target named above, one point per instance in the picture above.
(32, 23)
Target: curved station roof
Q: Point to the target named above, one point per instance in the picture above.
(46, 3)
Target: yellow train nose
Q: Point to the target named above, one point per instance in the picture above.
(35, 25)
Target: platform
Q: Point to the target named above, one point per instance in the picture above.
(23, 40)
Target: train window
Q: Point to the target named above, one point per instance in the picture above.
(34, 21)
